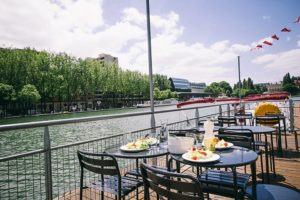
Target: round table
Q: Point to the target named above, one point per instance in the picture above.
(259, 130)
(230, 158)
(152, 152)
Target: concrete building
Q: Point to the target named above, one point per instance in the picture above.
(107, 58)
(275, 87)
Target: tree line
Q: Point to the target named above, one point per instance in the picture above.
(248, 87)
(29, 78)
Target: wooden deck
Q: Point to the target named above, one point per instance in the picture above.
(287, 174)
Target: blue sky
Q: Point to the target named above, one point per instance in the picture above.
(194, 39)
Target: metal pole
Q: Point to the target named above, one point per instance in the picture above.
(240, 83)
(197, 117)
(220, 110)
(47, 160)
(292, 121)
(150, 66)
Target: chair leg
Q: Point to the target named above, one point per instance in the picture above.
(296, 141)
(262, 169)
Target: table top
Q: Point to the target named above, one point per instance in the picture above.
(254, 129)
(233, 157)
(153, 151)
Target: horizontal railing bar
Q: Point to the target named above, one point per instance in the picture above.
(86, 141)
(88, 119)
(21, 155)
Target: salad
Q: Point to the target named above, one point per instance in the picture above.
(222, 143)
(137, 145)
(149, 140)
(198, 154)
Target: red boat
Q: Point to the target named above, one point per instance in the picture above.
(255, 97)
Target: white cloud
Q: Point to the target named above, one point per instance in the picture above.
(288, 61)
(298, 43)
(78, 27)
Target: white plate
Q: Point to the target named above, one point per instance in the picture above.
(124, 148)
(228, 147)
(214, 157)
(153, 141)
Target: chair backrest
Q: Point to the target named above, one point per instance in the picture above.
(202, 121)
(248, 114)
(227, 120)
(239, 137)
(267, 120)
(170, 185)
(99, 163)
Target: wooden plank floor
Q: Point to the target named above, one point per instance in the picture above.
(287, 174)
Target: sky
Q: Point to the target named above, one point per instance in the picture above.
(198, 40)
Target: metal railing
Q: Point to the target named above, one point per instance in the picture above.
(53, 172)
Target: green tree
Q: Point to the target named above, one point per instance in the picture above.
(7, 95)
(291, 88)
(287, 79)
(29, 96)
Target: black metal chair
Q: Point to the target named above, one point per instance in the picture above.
(242, 117)
(170, 185)
(243, 138)
(111, 180)
(268, 120)
(227, 120)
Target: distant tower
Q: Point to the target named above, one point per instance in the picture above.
(107, 58)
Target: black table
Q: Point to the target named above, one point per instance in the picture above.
(152, 152)
(231, 158)
(260, 130)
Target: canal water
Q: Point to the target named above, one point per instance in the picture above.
(20, 141)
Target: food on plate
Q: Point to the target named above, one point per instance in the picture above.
(222, 144)
(137, 145)
(197, 154)
(149, 140)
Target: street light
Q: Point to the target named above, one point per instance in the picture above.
(150, 66)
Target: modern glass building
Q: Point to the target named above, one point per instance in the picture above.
(180, 85)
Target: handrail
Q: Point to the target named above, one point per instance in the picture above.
(93, 118)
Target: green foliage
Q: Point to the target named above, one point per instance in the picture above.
(7, 93)
(164, 94)
(287, 79)
(29, 94)
(218, 88)
(63, 78)
(161, 82)
(291, 88)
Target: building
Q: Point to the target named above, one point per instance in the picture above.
(198, 87)
(180, 85)
(107, 58)
(187, 90)
(275, 87)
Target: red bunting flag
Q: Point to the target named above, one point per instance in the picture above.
(275, 37)
(286, 30)
(297, 20)
(268, 43)
(259, 46)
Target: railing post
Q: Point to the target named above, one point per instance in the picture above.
(47, 163)
(292, 120)
(197, 117)
(220, 110)
(228, 109)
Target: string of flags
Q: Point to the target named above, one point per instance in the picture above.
(269, 41)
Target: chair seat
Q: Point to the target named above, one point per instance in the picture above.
(111, 185)
(261, 143)
(221, 182)
(272, 192)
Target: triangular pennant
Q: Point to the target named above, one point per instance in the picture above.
(285, 30)
(268, 43)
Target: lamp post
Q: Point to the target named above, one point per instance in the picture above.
(150, 66)
(239, 78)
